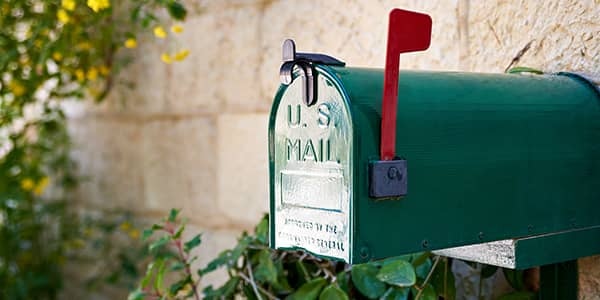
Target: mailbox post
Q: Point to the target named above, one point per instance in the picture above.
(502, 169)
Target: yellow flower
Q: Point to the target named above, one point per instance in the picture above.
(84, 46)
(63, 16)
(27, 184)
(160, 32)
(57, 56)
(92, 73)
(98, 5)
(104, 70)
(16, 88)
(134, 234)
(181, 55)
(166, 58)
(125, 226)
(80, 75)
(68, 4)
(41, 186)
(177, 28)
(130, 43)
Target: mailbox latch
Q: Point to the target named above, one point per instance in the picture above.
(304, 61)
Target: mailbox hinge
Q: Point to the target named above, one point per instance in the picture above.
(304, 61)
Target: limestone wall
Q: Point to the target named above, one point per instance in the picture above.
(193, 135)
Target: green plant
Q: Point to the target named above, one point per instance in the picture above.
(51, 51)
(257, 272)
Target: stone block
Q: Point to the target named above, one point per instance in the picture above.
(106, 152)
(178, 163)
(561, 34)
(243, 167)
(589, 278)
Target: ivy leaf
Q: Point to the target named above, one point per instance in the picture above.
(173, 215)
(176, 266)
(396, 293)
(333, 292)
(147, 234)
(309, 290)
(176, 10)
(518, 296)
(265, 270)
(159, 243)
(399, 273)
(192, 243)
(363, 277)
(179, 232)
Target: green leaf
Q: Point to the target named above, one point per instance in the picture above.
(428, 293)
(173, 215)
(343, 279)
(396, 293)
(178, 286)
(192, 243)
(224, 292)
(177, 10)
(488, 271)
(160, 275)
(147, 234)
(517, 70)
(514, 279)
(364, 279)
(177, 266)
(149, 272)
(442, 280)
(423, 269)
(262, 230)
(179, 232)
(136, 295)
(518, 296)
(265, 271)
(309, 290)
(333, 292)
(159, 243)
(399, 273)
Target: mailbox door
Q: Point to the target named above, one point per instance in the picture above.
(311, 168)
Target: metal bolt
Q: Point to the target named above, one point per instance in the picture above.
(425, 243)
(394, 173)
(481, 236)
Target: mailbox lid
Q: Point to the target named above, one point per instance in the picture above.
(490, 157)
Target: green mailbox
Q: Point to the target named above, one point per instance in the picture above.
(498, 168)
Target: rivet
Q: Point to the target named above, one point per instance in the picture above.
(364, 252)
(425, 243)
(481, 236)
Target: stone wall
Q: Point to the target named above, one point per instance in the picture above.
(193, 135)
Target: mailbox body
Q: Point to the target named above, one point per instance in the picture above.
(490, 157)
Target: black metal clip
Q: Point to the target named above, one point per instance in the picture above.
(304, 61)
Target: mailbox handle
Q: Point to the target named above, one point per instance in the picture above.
(408, 32)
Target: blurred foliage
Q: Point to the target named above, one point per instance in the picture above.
(51, 51)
